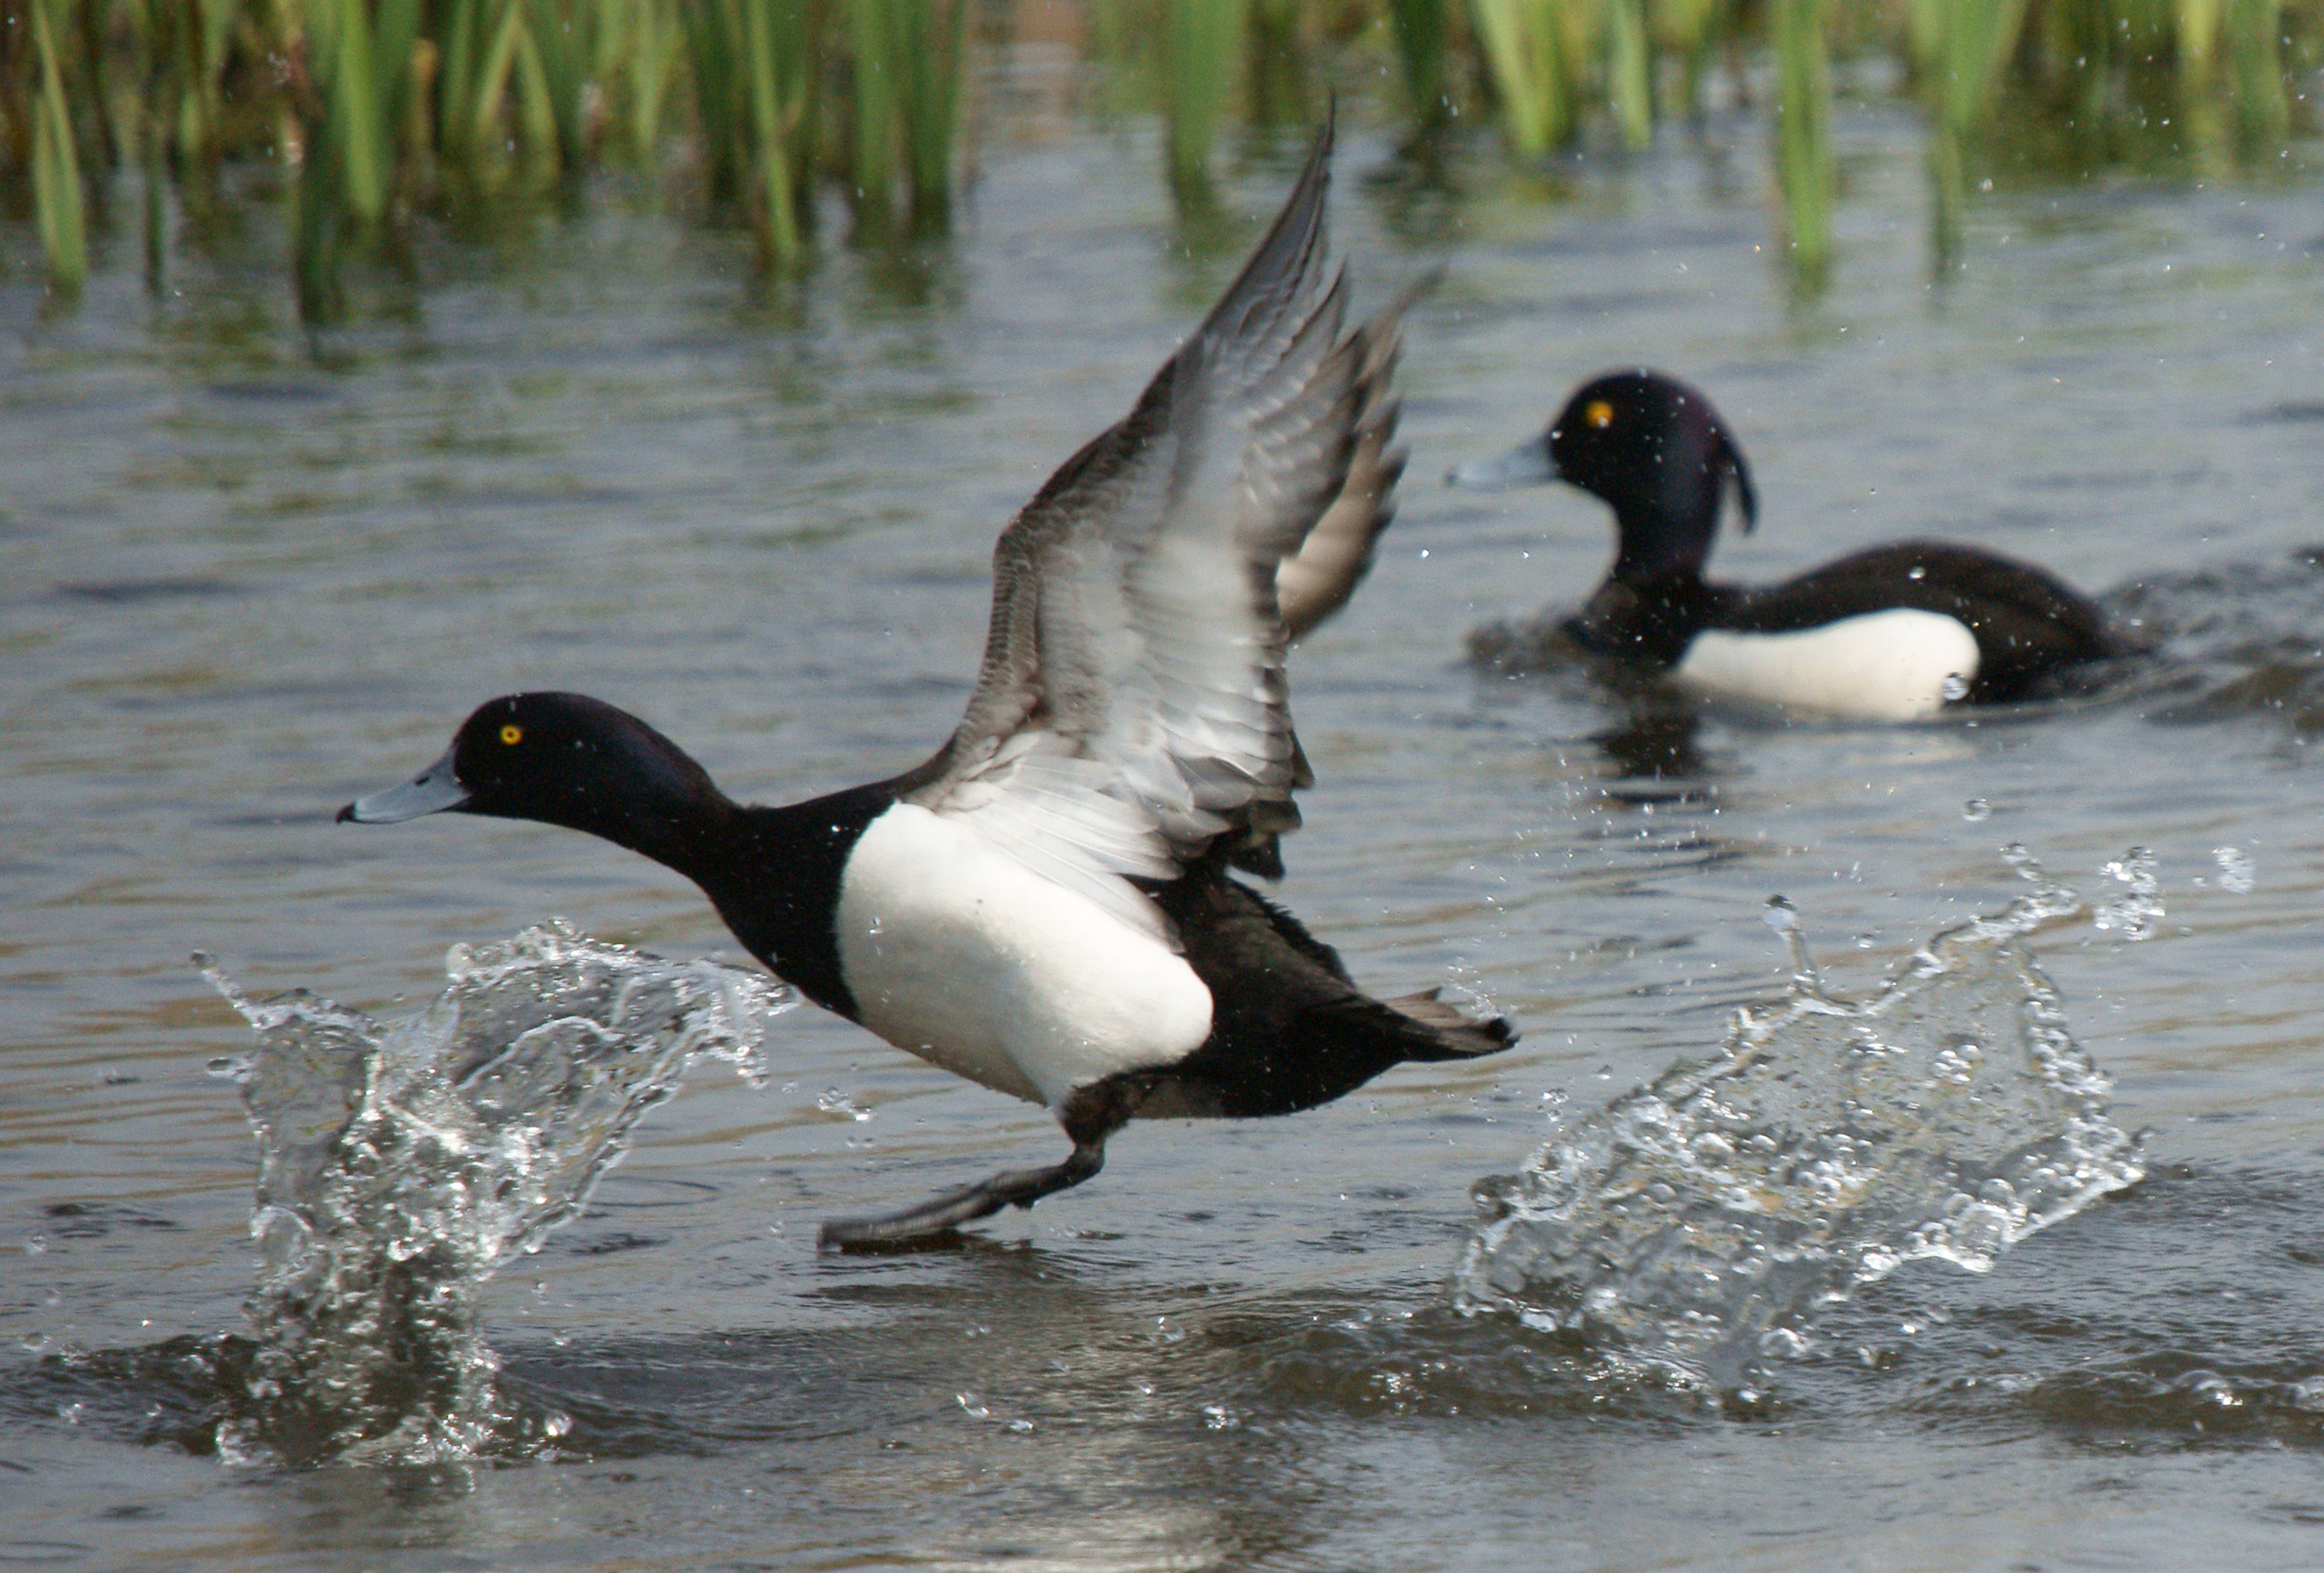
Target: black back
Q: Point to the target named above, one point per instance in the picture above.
(2026, 622)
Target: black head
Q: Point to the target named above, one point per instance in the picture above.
(562, 758)
(1656, 451)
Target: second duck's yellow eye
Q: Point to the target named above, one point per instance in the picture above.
(512, 734)
(1598, 415)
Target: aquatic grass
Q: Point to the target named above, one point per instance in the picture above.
(1550, 60)
(1685, 31)
(2255, 67)
(936, 49)
(1628, 88)
(777, 37)
(640, 46)
(361, 60)
(59, 204)
(906, 87)
(1202, 40)
(1422, 29)
(1963, 47)
(387, 113)
(1525, 59)
(1804, 166)
(873, 81)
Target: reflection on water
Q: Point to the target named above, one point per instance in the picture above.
(1701, 1221)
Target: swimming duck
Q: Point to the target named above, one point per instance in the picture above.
(1044, 906)
(1894, 632)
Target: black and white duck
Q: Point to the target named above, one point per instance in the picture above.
(1894, 632)
(1045, 906)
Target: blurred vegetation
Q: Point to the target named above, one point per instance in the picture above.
(384, 114)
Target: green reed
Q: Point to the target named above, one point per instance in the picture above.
(1804, 166)
(58, 202)
(1961, 48)
(1424, 45)
(384, 114)
(1203, 44)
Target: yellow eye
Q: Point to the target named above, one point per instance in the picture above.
(512, 734)
(1598, 415)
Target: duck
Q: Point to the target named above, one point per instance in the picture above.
(1047, 905)
(1894, 632)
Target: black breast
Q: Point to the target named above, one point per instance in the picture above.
(777, 884)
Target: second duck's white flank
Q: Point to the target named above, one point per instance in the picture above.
(960, 954)
(1896, 664)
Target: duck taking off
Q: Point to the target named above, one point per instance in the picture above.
(1045, 905)
(1892, 634)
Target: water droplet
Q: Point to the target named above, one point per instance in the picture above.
(834, 1101)
(2134, 913)
(2235, 871)
(1977, 811)
(1841, 1137)
(1955, 688)
(509, 1094)
(1783, 1344)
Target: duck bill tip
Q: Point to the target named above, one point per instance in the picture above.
(432, 791)
(1528, 464)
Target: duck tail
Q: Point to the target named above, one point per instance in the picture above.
(1450, 1032)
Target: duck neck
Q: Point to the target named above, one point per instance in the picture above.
(775, 875)
(1660, 546)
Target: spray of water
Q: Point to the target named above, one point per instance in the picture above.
(401, 1162)
(1695, 1224)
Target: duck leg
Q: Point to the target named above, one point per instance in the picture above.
(1090, 1116)
(941, 1214)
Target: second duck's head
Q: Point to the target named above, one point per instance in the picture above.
(1654, 450)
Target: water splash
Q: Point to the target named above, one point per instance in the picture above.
(1694, 1224)
(401, 1162)
(2134, 911)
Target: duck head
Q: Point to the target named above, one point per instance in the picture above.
(564, 760)
(1651, 448)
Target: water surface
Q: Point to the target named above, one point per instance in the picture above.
(248, 576)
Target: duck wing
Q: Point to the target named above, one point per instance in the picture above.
(1131, 710)
(1315, 581)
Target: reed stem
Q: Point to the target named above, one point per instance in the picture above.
(387, 111)
(1804, 155)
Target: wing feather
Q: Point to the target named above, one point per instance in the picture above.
(1132, 709)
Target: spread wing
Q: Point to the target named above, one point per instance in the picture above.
(1131, 710)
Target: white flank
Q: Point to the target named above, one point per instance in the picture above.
(1885, 665)
(963, 955)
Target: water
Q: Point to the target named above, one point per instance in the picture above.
(1702, 1224)
(400, 1165)
(248, 578)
